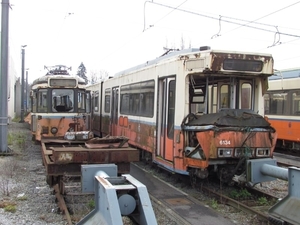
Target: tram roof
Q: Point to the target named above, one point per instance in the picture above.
(170, 54)
(286, 74)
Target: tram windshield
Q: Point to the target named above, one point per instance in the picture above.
(62, 100)
(209, 95)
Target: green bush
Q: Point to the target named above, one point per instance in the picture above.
(91, 204)
(10, 208)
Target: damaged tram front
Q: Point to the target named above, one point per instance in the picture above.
(225, 125)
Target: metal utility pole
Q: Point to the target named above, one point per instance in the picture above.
(23, 84)
(4, 76)
(26, 94)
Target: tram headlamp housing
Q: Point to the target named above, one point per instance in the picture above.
(261, 152)
(249, 152)
(225, 152)
(78, 135)
(54, 130)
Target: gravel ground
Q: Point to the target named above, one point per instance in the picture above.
(23, 188)
(22, 183)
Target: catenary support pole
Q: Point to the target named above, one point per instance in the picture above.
(4, 76)
(23, 83)
(26, 92)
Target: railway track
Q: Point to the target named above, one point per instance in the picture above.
(251, 202)
(73, 200)
(251, 206)
(255, 203)
(287, 160)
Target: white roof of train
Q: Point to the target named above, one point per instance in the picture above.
(285, 74)
(171, 54)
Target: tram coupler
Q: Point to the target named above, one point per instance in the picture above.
(287, 209)
(115, 196)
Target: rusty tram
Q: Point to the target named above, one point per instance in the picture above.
(60, 121)
(194, 112)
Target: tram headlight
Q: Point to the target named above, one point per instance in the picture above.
(71, 136)
(225, 152)
(260, 152)
(54, 130)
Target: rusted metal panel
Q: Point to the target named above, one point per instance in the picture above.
(62, 157)
(124, 156)
(75, 168)
(99, 157)
(218, 60)
(79, 155)
(211, 140)
(190, 162)
(107, 142)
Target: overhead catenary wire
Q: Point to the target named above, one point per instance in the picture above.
(230, 19)
(160, 18)
(254, 21)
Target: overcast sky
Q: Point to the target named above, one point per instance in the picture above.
(114, 35)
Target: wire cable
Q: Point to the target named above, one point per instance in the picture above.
(229, 19)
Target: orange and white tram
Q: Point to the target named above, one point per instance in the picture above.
(193, 112)
(60, 103)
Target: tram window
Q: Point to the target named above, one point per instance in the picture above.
(34, 101)
(147, 104)
(81, 101)
(96, 102)
(267, 103)
(62, 100)
(278, 103)
(107, 104)
(42, 100)
(213, 98)
(224, 96)
(88, 102)
(197, 103)
(171, 110)
(138, 99)
(295, 103)
(125, 103)
(246, 96)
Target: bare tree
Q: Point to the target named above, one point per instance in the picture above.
(96, 76)
(182, 43)
(173, 45)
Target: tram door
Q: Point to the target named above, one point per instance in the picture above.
(114, 110)
(166, 115)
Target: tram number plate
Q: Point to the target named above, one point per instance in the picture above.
(224, 142)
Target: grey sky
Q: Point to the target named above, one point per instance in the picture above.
(116, 34)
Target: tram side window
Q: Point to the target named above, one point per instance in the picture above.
(34, 101)
(138, 99)
(278, 103)
(267, 103)
(81, 101)
(295, 103)
(96, 102)
(42, 101)
(88, 102)
(125, 103)
(107, 101)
